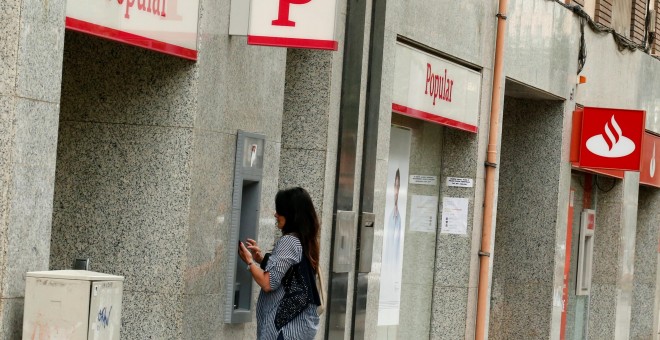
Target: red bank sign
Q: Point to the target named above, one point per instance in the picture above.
(649, 174)
(293, 23)
(168, 26)
(611, 139)
(436, 90)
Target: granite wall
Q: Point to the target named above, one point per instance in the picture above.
(419, 249)
(523, 288)
(145, 170)
(577, 309)
(614, 252)
(309, 136)
(644, 310)
(122, 191)
(30, 76)
(463, 154)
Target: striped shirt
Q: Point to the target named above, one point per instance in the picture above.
(287, 252)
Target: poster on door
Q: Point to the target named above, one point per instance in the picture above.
(394, 230)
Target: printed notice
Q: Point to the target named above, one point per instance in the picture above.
(423, 179)
(454, 215)
(423, 213)
(460, 182)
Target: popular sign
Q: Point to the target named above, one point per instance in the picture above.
(435, 90)
(611, 138)
(168, 26)
(293, 23)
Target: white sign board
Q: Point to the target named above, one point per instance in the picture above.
(460, 182)
(454, 215)
(168, 26)
(435, 89)
(423, 213)
(423, 179)
(293, 23)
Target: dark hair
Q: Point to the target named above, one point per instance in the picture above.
(296, 206)
(397, 175)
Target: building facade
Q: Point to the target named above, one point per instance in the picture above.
(128, 157)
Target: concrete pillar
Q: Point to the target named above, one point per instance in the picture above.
(531, 226)
(30, 77)
(646, 260)
(614, 256)
(310, 122)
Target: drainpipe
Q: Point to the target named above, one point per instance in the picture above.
(491, 173)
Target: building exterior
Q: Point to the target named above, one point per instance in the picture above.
(127, 157)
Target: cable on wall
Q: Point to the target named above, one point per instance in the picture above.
(623, 43)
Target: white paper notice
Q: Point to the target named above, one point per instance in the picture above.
(460, 182)
(423, 179)
(454, 215)
(423, 213)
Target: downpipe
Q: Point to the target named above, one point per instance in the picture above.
(486, 251)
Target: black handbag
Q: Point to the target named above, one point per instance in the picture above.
(299, 285)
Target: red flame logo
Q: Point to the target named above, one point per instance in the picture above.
(613, 132)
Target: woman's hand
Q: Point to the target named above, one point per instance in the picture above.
(261, 277)
(244, 253)
(256, 251)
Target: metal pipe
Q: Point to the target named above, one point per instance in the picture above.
(491, 173)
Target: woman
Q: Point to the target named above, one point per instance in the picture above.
(293, 263)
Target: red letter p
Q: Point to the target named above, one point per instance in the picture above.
(283, 13)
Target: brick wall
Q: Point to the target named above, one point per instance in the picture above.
(579, 2)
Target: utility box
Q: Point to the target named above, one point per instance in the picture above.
(73, 305)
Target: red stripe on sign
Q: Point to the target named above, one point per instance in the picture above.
(293, 42)
(129, 38)
(429, 117)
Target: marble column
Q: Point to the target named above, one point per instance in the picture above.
(646, 261)
(30, 77)
(530, 222)
(614, 255)
(310, 122)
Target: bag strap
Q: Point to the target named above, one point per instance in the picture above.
(321, 287)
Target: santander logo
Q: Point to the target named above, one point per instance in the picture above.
(611, 143)
(652, 165)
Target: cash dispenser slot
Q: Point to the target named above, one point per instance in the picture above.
(246, 199)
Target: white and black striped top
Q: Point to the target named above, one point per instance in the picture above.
(287, 252)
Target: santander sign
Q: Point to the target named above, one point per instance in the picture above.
(612, 143)
(611, 139)
(648, 173)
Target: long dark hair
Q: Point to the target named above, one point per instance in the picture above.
(296, 206)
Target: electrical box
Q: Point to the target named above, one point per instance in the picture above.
(585, 252)
(72, 305)
(246, 200)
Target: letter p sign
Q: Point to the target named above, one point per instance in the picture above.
(283, 13)
(291, 23)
